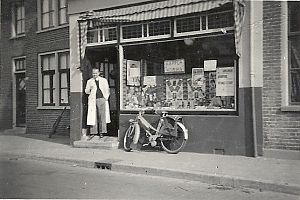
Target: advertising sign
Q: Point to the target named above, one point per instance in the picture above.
(174, 66)
(225, 85)
(133, 72)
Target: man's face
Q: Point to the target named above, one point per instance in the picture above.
(95, 73)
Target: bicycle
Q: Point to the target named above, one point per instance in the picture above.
(170, 132)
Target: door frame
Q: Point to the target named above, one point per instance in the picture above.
(14, 91)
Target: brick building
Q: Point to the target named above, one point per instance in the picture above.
(260, 112)
(34, 55)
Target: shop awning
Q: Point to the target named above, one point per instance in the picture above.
(156, 10)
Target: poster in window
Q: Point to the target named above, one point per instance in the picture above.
(225, 85)
(174, 66)
(174, 89)
(133, 72)
(210, 65)
(198, 79)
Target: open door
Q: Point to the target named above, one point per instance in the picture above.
(105, 59)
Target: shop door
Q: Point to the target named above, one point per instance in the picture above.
(109, 71)
(20, 99)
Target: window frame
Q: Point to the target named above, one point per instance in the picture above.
(50, 12)
(286, 105)
(64, 71)
(59, 9)
(54, 78)
(14, 23)
(55, 16)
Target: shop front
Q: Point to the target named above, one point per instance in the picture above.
(181, 57)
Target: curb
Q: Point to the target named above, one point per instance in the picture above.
(112, 165)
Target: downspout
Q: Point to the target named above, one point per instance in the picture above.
(252, 75)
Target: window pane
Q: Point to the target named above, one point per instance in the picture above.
(132, 31)
(19, 27)
(62, 61)
(188, 24)
(23, 12)
(295, 69)
(159, 28)
(46, 96)
(64, 96)
(45, 63)
(64, 80)
(62, 16)
(294, 16)
(62, 3)
(45, 20)
(52, 62)
(220, 20)
(46, 82)
(45, 6)
(92, 36)
(19, 12)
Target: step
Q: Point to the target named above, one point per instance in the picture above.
(99, 143)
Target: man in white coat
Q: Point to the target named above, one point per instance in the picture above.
(98, 108)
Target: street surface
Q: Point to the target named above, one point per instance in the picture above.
(24, 178)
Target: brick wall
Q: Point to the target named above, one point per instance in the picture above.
(281, 129)
(37, 120)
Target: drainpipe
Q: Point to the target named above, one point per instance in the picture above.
(255, 61)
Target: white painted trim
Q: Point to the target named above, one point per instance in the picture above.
(121, 60)
(14, 95)
(55, 81)
(285, 55)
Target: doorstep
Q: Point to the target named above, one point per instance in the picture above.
(99, 143)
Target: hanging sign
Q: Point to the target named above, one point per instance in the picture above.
(225, 84)
(174, 66)
(133, 72)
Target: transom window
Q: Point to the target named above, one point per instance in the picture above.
(20, 64)
(102, 35)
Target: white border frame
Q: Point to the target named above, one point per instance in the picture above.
(56, 80)
(14, 95)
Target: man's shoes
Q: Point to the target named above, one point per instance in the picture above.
(101, 135)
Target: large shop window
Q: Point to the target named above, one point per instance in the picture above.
(55, 79)
(190, 74)
(294, 53)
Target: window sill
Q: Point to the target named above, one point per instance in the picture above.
(52, 28)
(52, 107)
(290, 108)
(17, 36)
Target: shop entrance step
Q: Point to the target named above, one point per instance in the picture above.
(99, 143)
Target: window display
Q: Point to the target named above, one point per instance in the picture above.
(176, 76)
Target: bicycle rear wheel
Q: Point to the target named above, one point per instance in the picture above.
(128, 138)
(174, 144)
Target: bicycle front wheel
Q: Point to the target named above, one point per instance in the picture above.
(174, 144)
(128, 138)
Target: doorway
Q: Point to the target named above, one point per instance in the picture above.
(20, 99)
(106, 60)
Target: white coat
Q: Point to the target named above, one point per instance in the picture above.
(91, 90)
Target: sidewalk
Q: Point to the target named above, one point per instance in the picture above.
(235, 171)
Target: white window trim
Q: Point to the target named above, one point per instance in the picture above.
(14, 72)
(55, 82)
(55, 21)
(13, 21)
(285, 105)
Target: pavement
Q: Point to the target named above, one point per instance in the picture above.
(264, 174)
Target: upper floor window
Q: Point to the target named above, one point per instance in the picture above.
(52, 13)
(18, 18)
(294, 53)
(47, 13)
(62, 12)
